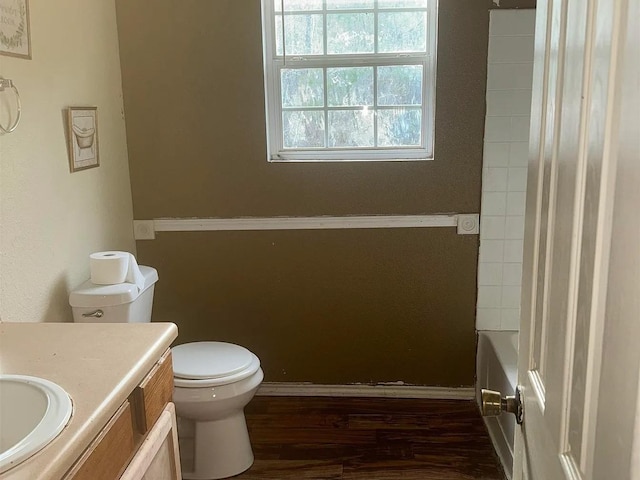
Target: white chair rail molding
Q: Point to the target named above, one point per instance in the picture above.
(466, 224)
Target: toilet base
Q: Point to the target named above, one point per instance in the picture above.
(221, 449)
(212, 431)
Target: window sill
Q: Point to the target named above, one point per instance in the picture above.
(347, 160)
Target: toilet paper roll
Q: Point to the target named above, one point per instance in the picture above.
(108, 268)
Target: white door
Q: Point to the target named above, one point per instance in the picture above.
(579, 358)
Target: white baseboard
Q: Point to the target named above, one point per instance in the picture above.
(287, 389)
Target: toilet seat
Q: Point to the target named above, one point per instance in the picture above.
(209, 364)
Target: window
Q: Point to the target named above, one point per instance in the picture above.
(350, 79)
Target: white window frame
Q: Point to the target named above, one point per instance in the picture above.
(273, 64)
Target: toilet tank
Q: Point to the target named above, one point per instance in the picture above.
(119, 303)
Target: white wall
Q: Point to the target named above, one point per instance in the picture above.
(50, 219)
(504, 179)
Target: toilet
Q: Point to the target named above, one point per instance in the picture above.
(213, 381)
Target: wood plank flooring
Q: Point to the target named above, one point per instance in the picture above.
(368, 439)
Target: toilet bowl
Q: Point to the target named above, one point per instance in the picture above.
(214, 381)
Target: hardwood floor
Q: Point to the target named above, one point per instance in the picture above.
(368, 439)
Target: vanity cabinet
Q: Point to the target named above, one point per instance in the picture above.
(140, 440)
(158, 457)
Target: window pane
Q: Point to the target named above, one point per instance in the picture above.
(401, 85)
(303, 129)
(350, 86)
(351, 128)
(402, 31)
(303, 34)
(297, 5)
(348, 4)
(350, 33)
(399, 127)
(402, 3)
(302, 87)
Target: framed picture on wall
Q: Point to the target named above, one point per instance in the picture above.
(83, 138)
(15, 32)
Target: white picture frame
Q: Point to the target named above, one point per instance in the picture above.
(15, 29)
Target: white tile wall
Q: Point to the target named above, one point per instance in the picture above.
(504, 179)
(492, 251)
(495, 179)
(510, 75)
(492, 273)
(518, 153)
(492, 227)
(491, 318)
(512, 251)
(517, 179)
(514, 227)
(497, 154)
(515, 203)
(494, 203)
(509, 48)
(511, 273)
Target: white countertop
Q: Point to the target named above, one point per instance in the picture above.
(97, 364)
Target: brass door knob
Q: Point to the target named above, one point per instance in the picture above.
(492, 404)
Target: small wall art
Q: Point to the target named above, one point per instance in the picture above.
(83, 138)
(15, 32)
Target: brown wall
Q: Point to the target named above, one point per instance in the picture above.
(192, 74)
(335, 306)
(365, 306)
(509, 4)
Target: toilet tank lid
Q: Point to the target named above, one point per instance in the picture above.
(90, 295)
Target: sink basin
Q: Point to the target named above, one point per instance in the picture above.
(33, 411)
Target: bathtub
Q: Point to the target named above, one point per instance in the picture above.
(496, 368)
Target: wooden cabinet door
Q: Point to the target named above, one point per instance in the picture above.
(158, 457)
(109, 452)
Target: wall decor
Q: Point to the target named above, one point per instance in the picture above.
(83, 138)
(15, 33)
